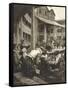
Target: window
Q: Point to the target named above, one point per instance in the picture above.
(26, 37)
(48, 30)
(51, 30)
(41, 28)
(59, 30)
(41, 37)
(45, 12)
(20, 31)
(39, 10)
(58, 37)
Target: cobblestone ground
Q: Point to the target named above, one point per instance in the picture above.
(20, 79)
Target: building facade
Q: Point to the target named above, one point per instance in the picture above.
(47, 28)
(38, 27)
(62, 30)
(23, 30)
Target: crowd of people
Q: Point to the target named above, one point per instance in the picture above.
(46, 61)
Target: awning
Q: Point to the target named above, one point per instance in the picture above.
(49, 21)
(25, 28)
(27, 17)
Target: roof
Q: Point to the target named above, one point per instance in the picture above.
(49, 21)
(62, 21)
(52, 11)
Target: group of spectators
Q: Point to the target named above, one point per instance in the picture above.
(43, 61)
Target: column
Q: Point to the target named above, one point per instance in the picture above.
(34, 29)
(45, 33)
(22, 28)
(18, 36)
(55, 32)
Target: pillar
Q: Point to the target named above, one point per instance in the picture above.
(45, 33)
(34, 29)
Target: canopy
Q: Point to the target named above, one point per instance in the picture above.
(49, 21)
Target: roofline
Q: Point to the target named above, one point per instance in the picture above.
(50, 21)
